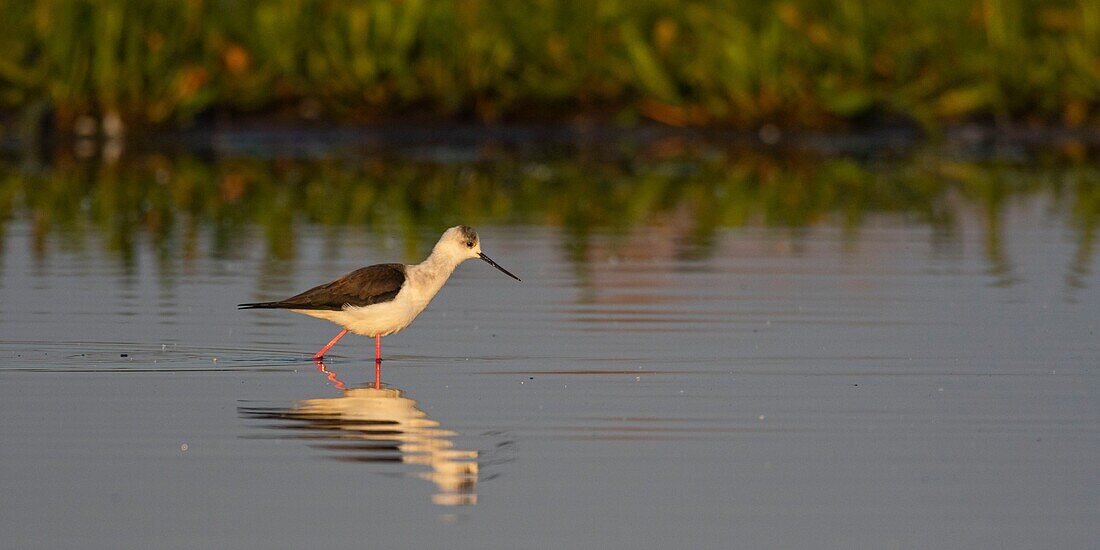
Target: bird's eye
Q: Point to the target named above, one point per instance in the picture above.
(469, 244)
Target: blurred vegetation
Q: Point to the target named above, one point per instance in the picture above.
(184, 206)
(680, 62)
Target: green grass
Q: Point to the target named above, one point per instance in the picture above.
(691, 62)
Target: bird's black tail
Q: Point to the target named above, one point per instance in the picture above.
(263, 305)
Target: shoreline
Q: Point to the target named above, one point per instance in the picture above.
(271, 133)
(309, 138)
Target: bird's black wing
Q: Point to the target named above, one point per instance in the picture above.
(365, 286)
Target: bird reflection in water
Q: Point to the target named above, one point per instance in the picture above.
(380, 425)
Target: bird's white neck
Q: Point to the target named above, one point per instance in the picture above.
(428, 276)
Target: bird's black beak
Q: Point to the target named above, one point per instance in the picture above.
(490, 261)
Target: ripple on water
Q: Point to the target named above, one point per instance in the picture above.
(35, 356)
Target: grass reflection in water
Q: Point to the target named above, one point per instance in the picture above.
(175, 203)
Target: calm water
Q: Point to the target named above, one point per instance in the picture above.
(708, 349)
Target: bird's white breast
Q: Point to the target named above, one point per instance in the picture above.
(380, 319)
(422, 282)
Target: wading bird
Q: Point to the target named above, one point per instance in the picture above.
(379, 300)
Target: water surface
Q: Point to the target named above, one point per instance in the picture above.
(708, 349)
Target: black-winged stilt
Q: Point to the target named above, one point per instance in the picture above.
(379, 300)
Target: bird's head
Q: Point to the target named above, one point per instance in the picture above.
(461, 243)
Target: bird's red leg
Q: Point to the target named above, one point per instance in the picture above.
(378, 362)
(321, 354)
